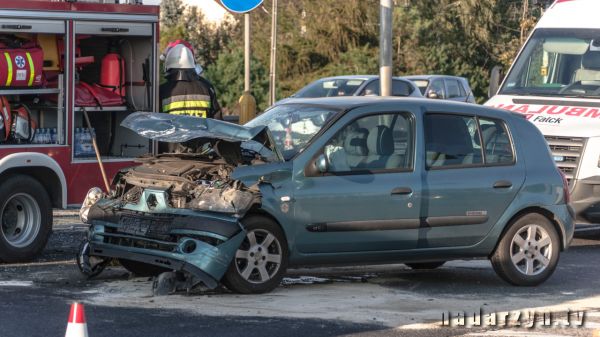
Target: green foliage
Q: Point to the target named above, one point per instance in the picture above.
(170, 13)
(335, 37)
(227, 76)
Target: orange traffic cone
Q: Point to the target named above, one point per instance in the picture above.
(76, 326)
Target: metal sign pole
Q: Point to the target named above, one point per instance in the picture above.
(385, 48)
(273, 70)
(246, 52)
(247, 101)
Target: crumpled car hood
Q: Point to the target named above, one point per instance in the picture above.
(169, 128)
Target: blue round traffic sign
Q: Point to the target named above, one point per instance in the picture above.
(241, 6)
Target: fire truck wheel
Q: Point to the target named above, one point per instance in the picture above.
(26, 216)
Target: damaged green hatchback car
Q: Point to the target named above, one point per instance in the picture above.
(333, 181)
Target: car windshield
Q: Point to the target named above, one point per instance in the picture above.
(330, 88)
(557, 62)
(293, 125)
(421, 84)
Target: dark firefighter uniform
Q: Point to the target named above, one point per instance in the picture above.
(185, 93)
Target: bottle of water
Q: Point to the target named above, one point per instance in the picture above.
(86, 143)
(44, 138)
(36, 136)
(77, 143)
(53, 136)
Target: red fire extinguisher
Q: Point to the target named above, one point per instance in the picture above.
(112, 71)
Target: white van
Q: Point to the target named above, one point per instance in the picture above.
(555, 83)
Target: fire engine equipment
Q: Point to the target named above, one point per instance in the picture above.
(87, 95)
(98, 156)
(23, 126)
(21, 63)
(112, 71)
(49, 45)
(6, 119)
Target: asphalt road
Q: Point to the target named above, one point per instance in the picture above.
(389, 300)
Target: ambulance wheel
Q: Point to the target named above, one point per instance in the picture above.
(261, 260)
(26, 216)
(141, 269)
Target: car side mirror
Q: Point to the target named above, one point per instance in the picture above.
(322, 164)
(433, 94)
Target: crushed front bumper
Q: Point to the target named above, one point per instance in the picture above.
(200, 243)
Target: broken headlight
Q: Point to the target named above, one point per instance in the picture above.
(92, 196)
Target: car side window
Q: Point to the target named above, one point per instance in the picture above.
(437, 86)
(451, 140)
(496, 142)
(453, 89)
(371, 89)
(401, 88)
(463, 91)
(382, 142)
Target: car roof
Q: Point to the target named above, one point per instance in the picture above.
(430, 105)
(430, 77)
(356, 77)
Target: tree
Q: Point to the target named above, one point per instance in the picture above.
(227, 76)
(170, 13)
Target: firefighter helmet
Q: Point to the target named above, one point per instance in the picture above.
(179, 57)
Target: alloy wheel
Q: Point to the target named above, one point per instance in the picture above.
(259, 257)
(531, 250)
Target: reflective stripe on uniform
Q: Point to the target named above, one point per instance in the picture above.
(180, 98)
(10, 70)
(186, 105)
(31, 70)
(195, 113)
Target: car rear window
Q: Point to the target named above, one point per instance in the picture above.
(456, 141)
(496, 142)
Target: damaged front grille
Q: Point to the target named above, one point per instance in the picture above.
(133, 242)
(149, 227)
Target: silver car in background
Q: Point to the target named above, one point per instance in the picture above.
(453, 88)
(355, 85)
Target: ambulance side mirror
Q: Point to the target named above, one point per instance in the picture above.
(494, 81)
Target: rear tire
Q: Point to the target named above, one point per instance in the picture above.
(528, 252)
(26, 218)
(142, 269)
(425, 265)
(261, 260)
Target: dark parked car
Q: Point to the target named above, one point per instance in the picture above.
(447, 87)
(334, 181)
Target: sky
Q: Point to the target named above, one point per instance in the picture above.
(210, 8)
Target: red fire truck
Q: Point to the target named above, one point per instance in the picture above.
(59, 61)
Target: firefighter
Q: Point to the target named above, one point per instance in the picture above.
(213, 93)
(184, 93)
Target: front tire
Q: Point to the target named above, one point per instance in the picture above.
(26, 218)
(261, 260)
(528, 252)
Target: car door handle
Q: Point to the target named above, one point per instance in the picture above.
(402, 191)
(502, 184)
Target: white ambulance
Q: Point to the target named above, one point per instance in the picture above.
(555, 83)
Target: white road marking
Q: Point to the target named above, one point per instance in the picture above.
(16, 283)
